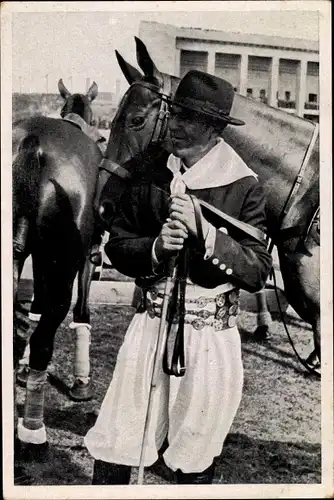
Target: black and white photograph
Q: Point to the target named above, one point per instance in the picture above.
(166, 223)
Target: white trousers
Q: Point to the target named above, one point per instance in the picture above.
(195, 411)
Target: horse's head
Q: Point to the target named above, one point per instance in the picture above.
(78, 103)
(141, 118)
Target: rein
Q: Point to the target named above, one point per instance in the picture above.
(294, 231)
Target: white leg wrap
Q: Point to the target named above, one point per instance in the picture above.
(81, 362)
(34, 316)
(34, 436)
(264, 318)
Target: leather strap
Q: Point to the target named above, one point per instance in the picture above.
(198, 219)
(114, 168)
(175, 364)
(250, 230)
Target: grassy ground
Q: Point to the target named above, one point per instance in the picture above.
(275, 437)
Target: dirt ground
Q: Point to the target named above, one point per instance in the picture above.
(275, 437)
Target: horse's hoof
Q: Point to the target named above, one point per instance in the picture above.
(81, 391)
(313, 360)
(313, 363)
(261, 333)
(22, 375)
(34, 452)
(21, 478)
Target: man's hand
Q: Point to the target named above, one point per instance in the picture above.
(182, 210)
(170, 239)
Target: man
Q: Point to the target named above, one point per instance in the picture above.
(194, 411)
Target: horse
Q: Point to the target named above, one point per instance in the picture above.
(54, 171)
(282, 149)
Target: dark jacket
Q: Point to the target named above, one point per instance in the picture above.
(144, 209)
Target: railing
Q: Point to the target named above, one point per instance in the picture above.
(292, 104)
(311, 105)
(286, 104)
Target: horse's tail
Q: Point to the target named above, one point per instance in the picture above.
(27, 168)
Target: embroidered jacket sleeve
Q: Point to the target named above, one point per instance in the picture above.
(236, 258)
(132, 236)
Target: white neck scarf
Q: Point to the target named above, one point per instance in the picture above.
(219, 167)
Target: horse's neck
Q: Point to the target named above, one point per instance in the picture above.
(273, 144)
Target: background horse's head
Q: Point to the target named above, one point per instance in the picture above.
(141, 117)
(78, 103)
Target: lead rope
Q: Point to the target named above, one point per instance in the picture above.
(177, 366)
(301, 360)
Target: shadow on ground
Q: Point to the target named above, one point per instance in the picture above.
(61, 466)
(245, 460)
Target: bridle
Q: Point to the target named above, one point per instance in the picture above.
(160, 127)
(165, 95)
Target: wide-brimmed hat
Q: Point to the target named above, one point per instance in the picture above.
(206, 94)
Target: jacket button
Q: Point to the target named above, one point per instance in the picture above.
(215, 261)
(229, 271)
(222, 267)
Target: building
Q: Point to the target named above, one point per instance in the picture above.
(282, 72)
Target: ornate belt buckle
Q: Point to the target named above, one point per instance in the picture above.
(218, 325)
(201, 301)
(220, 299)
(220, 313)
(232, 321)
(198, 324)
(154, 293)
(150, 310)
(233, 309)
(204, 314)
(233, 297)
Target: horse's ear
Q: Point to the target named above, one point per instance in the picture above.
(131, 74)
(63, 90)
(146, 64)
(92, 91)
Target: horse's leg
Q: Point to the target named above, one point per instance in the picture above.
(34, 315)
(38, 297)
(59, 278)
(20, 254)
(263, 316)
(20, 237)
(82, 387)
(301, 276)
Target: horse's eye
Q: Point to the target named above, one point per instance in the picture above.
(137, 121)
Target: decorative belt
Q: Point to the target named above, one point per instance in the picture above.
(219, 312)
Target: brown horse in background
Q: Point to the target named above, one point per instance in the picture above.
(282, 149)
(55, 168)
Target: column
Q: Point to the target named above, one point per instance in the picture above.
(301, 87)
(177, 62)
(211, 62)
(243, 74)
(273, 84)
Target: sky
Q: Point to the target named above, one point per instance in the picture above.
(47, 46)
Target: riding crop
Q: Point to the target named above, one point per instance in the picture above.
(156, 362)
